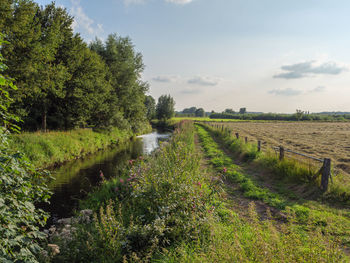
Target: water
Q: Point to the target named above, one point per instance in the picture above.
(74, 180)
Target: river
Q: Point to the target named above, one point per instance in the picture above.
(75, 179)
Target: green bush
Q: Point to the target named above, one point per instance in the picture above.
(21, 187)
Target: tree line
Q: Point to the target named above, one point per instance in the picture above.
(64, 82)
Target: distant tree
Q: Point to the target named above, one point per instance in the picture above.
(242, 110)
(190, 111)
(150, 104)
(165, 107)
(230, 111)
(299, 114)
(200, 112)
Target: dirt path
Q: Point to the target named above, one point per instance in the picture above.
(238, 202)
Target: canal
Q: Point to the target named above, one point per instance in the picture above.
(74, 180)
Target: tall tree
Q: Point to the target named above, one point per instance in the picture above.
(165, 107)
(124, 74)
(200, 112)
(150, 104)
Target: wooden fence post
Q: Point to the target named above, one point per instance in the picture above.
(246, 139)
(259, 146)
(326, 173)
(281, 153)
(237, 135)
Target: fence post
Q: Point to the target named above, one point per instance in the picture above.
(259, 146)
(237, 135)
(281, 153)
(246, 139)
(326, 173)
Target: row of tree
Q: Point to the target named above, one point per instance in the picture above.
(65, 83)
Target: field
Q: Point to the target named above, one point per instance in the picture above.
(318, 139)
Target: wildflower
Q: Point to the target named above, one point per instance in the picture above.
(129, 179)
(131, 162)
(54, 249)
(101, 175)
(199, 184)
(116, 189)
(121, 180)
(225, 170)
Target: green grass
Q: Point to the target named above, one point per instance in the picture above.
(167, 208)
(333, 221)
(51, 148)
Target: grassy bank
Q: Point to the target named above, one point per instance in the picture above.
(169, 208)
(52, 148)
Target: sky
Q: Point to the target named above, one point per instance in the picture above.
(265, 55)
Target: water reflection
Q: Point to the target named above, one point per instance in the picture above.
(151, 141)
(76, 179)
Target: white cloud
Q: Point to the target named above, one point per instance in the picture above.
(310, 68)
(203, 81)
(177, 2)
(285, 92)
(165, 79)
(82, 22)
(296, 92)
(180, 2)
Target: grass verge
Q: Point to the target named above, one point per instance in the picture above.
(52, 148)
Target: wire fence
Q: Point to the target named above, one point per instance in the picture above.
(324, 171)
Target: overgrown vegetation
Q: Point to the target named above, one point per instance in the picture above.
(21, 186)
(161, 201)
(51, 148)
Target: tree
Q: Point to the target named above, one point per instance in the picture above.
(150, 104)
(242, 110)
(124, 74)
(299, 114)
(230, 111)
(165, 107)
(200, 112)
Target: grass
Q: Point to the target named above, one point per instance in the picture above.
(167, 208)
(318, 139)
(52, 148)
(333, 221)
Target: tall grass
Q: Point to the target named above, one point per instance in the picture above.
(160, 201)
(51, 148)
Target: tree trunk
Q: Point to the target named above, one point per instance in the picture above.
(43, 123)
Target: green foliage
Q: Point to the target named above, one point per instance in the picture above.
(165, 107)
(150, 104)
(200, 112)
(21, 186)
(48, 149)
(124, 75)
(64, 84)
(161, 201)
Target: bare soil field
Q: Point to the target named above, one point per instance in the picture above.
(318, 139)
